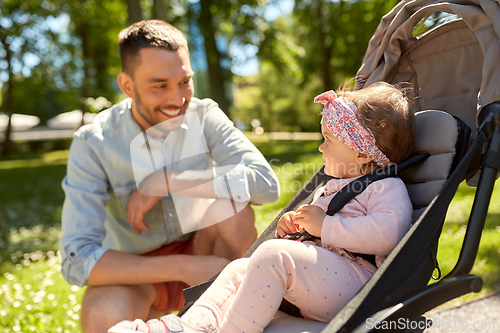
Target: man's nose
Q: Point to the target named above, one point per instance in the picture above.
(176, 97)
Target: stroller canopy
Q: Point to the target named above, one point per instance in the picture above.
(447, 73)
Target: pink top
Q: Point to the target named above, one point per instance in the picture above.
(373, 222)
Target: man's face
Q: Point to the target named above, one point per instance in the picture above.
(162, 87)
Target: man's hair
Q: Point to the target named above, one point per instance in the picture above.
(384, 110)
(148, 33)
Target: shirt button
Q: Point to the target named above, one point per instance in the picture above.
(72, 254)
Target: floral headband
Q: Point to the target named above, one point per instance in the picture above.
(340, 116)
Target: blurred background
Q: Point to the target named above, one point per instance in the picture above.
(262, 61)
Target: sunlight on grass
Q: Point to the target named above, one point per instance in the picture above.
(51, 158)
(293, 171)
(35, 298)
(487, 264)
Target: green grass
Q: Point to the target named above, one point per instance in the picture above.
(293, 170)
(35, 298)
(487, 264)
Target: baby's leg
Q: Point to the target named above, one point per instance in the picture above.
(209, 310)
(324, 282)
(318, 281)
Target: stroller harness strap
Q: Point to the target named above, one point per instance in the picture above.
(351, 190)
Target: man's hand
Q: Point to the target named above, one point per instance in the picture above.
(150, 191)
(138, 205)
(199, 269)
(311, 218)
(285, 225)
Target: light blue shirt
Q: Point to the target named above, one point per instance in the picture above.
(111, 156)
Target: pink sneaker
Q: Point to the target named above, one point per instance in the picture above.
(167, 324)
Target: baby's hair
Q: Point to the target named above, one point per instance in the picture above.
(384, 110)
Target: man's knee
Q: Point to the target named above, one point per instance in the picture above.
(104, 306)
(240, 230)
(227, 221)
(244, 220)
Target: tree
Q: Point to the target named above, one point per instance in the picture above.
(160, 10)
(222, 23)
(134, 11)
(215, 75)
(20, 31)
(313, 49)
(96, 52)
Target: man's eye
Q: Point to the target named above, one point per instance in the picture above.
(160, 86)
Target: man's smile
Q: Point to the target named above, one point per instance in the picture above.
(171, 112)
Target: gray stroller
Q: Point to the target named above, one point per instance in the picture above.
(449, 52)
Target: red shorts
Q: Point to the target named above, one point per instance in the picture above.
(169, 295)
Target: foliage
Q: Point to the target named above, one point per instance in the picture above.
(315, 48)
(94, 44)
(222, 23)
(279, 102)
(344, 29)
(51, 64)
(312, 49)
(20, 29)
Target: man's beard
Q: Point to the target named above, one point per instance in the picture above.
(139, 108)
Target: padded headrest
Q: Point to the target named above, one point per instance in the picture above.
(436, 132)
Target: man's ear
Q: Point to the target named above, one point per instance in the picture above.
(363, 158)
(126, 84)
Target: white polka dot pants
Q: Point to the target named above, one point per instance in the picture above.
(248, 292)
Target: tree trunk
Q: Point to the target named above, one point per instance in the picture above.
(159, 10)
(326, 52)
(7, 143)
(100, 55)
(84, 90)
(215, 76)
(134, 11)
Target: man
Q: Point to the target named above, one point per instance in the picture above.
(127, 233)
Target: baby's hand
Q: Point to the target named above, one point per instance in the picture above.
(285, 225)
(311, 218)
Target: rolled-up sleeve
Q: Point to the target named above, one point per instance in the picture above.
(84, 212)
(239, 163)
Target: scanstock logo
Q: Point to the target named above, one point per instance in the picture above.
(180, 167)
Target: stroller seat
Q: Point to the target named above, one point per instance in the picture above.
(438, 134)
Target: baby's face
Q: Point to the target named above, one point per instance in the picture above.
(340, 160)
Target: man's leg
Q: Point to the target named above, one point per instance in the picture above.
(230, 238)
(104, 306)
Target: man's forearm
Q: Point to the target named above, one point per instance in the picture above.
(117, 267)
(193, 183)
